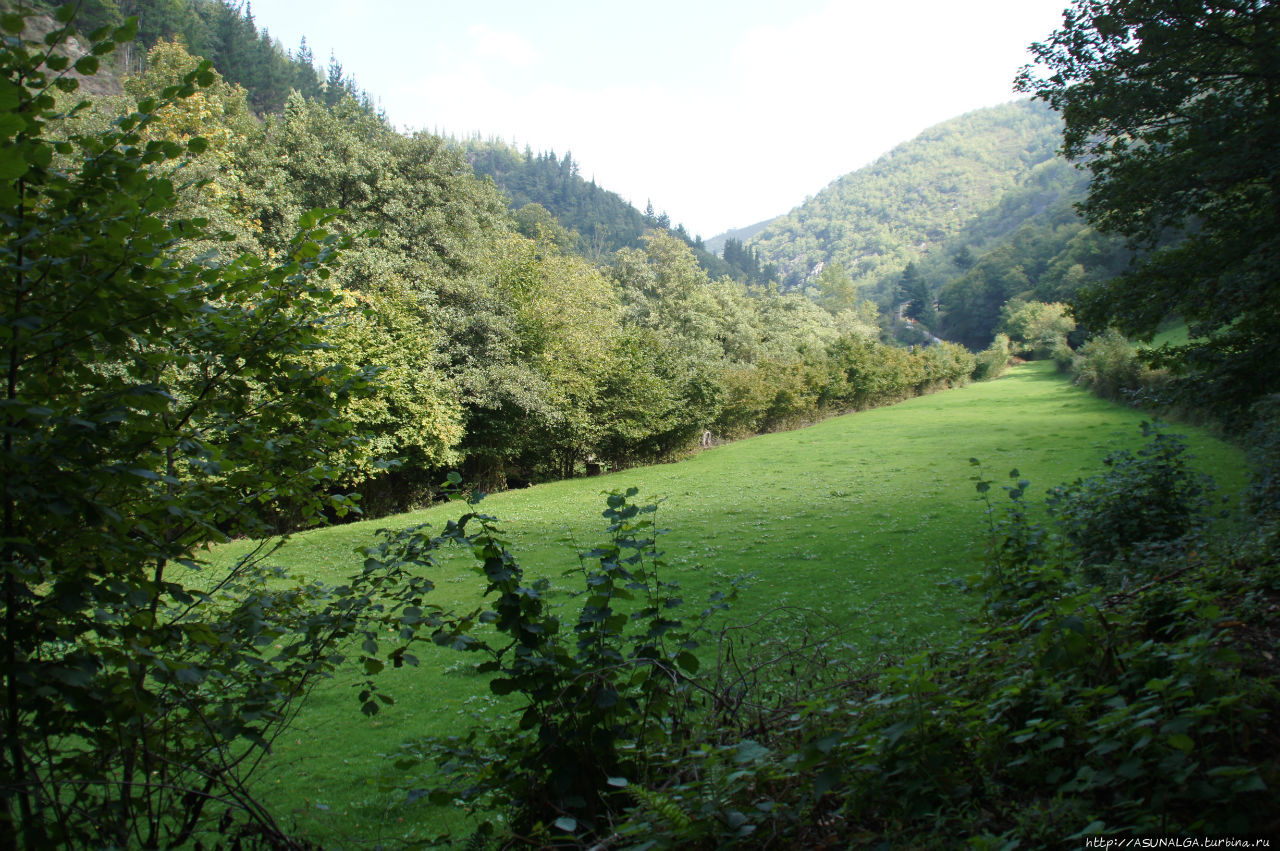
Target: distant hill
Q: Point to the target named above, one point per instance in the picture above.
(915, 198)
(599, 221)
(716, 244)
(1032, 245)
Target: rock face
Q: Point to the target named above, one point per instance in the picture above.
(106, 82)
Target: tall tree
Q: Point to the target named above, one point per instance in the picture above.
(1174, 107)
(155, 400)
(305, 79)
(915, 290)
(335, 85)
(836, 289)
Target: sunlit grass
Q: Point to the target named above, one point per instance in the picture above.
(864, 519)
(1174, 332)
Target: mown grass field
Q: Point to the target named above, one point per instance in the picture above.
(864, 520)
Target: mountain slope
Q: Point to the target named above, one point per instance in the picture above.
(600, 221)
(603, 221)
(875, 220)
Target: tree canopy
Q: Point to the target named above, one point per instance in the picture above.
(1174, 108)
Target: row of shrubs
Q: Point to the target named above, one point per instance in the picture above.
(661, 406)
(850, 374)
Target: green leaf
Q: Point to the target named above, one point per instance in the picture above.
(87, 65)
(826, 780)
(566, 823)
(1091, 829)
(190, 676)
(12, 164)
(126, 33)
(826, 743)
(1252, 783)
(750, 751)
(15, 23)
(1182, 742)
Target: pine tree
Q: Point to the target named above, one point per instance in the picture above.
(305, 78)
(334, 83)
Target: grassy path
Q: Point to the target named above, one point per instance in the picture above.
(862, 518)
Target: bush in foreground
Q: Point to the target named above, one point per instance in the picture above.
(155, 403)
(1082, 703)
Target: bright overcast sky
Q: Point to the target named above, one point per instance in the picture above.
(721, 113)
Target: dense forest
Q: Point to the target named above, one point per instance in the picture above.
(239, 304)
(500, 345)
(601, 221)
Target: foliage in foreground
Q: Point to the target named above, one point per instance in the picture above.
(156, 402)
(1118, 681)
(601, 697)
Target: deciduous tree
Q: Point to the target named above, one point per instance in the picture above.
(153, 403)
(1174, 107)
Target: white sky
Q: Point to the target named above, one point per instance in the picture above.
(722, 113)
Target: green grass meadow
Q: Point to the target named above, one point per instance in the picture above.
(863, 520)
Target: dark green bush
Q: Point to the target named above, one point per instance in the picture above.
(1263, 496)
(1108, 365)
(1144, 505)
(601, 699)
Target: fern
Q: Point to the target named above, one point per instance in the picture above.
(664, 805)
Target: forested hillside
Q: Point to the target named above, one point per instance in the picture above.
(596, 222)
(981, 208)
(1048, 258)
(601, 221)
(501, 350)
(224, 33)
(910, 201)
(1033, 245)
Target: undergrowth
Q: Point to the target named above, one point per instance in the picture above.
(1121, 679)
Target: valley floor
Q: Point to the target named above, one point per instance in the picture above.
(861, 523)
